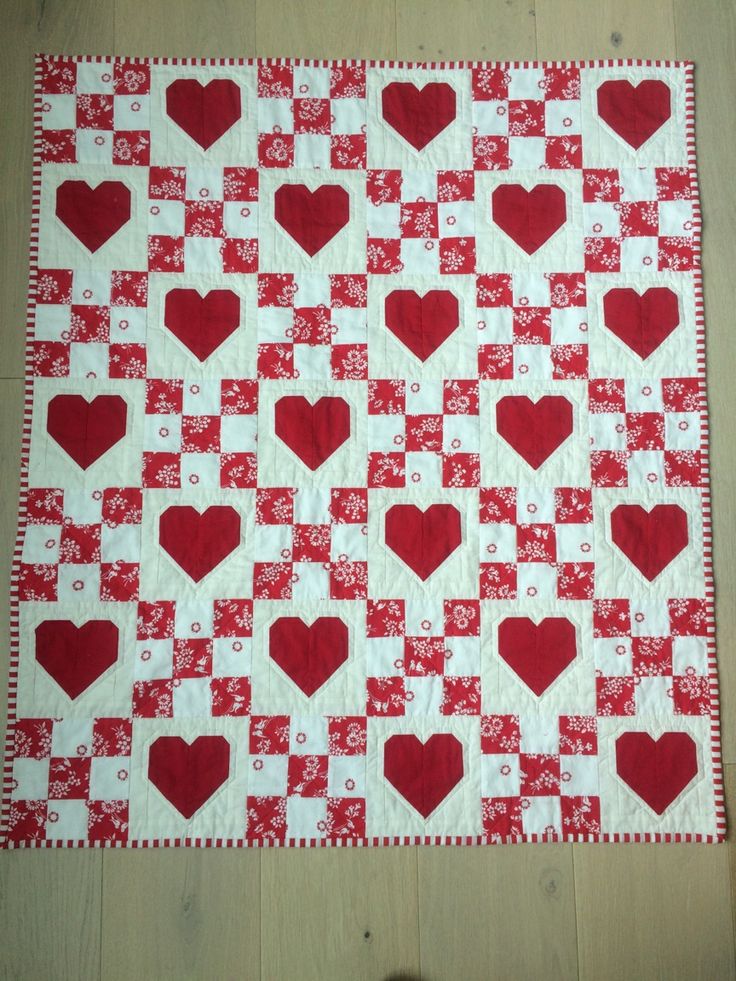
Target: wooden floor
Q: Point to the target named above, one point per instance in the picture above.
(593, 912)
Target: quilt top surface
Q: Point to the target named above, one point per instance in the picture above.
(365, 480)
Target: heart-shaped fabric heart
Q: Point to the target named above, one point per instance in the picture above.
(198, 543)
(529, 218)
(85, 430)
(423, 539)
(74, 656)
(635, 113)
(657, 771)
(423, 773)
(422, 323)
(188, 774)
(312, 218)
(538, 653)
(650, 539)
(202, 323)
(641, 322)
(313, 432)
(308, 655)
(93, 215)
(204, 112)
(534, 429)
(419, 115)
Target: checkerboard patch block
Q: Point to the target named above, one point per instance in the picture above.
(365, 483)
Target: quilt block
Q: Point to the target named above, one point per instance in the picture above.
(365, 465)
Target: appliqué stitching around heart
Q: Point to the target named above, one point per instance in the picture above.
(313, 431)
(534, 429)
(537, 652)
(309, 654)
(84, 429)
(199, 541)
(76, 657)
(634, 113)
(202, 323)
(188, 774)
(205, 113)
(529, 217)
(418, 115)
(642, 321)
(659, 770)
(93, 214)
(422, 323)
(312, 218)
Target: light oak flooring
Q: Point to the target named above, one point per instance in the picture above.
(593, 912)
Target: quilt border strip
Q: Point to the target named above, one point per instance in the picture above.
(672, 838)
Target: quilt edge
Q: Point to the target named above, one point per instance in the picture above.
(716, 756)
(364, 62)
(633, 838)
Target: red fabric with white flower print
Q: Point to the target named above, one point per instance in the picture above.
(365, 494)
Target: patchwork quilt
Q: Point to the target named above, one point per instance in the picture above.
(365, 477)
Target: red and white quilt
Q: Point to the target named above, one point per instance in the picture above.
(365, 482)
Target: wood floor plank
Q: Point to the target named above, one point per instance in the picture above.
(225, 30)
(729, 773)
(711, 43)
(497, 913)
(181, 913)
(68, 26)
(50, 915)
(16, 137)
(429, 30)
(338, 914)
(654, 912)
(326, 29)
(605, 29)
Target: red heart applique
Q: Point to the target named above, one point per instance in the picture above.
(199, 542)
(534, 429)
(657, 771)
(538, 653)
(188, 774)
(423, 773)
(308, 655)
(74, 656)
(423, 539)
(93, 215)
(312, 218)
(529, 217)
(204, 112)
(85, 430)
(422, 323)
(313, 432)
(634, 112)
(202, 324)
(641, 322)
(419, 115)
(649, 539)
